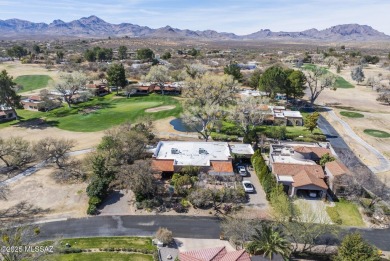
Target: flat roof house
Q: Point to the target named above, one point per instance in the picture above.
(212, 157)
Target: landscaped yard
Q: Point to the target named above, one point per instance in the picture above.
(107, 242)
(32, 82)
(347, 212)
(102, 256)
(351, 114)
(104, 113)
(106, 246)
(377, 133)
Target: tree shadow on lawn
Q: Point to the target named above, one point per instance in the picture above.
(36, 123)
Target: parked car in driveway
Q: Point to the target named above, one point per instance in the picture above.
(248, 187)
(241, 171)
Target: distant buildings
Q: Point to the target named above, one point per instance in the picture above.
(7, 113)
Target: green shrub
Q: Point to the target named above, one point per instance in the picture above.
(94, 201)
(334, 215)
(70, 250)
(92, 209)
(185, 203)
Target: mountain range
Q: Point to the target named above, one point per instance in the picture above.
(95, 27)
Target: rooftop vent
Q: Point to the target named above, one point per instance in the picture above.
(175, 151)
(203, 151)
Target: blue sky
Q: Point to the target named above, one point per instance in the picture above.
(240, 17)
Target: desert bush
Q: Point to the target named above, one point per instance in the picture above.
(164, 235)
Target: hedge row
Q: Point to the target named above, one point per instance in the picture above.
(265, 176)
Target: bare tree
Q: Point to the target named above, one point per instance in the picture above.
(248, 113)
(70, 85)
(318, 80)
(123, 144)
(164, 235)
(158, 74)
(206, 96)
(4, 190)
(15, 152)
(17, 237)
(195, 70)
(55, 149)
(138, 178)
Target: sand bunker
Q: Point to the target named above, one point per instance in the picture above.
(161, 108)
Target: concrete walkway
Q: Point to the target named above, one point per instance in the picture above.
(37, 167)
(384, 163)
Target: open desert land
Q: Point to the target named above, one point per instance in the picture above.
(361, 99)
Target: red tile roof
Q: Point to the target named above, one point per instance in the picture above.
(162, 165)
(210, 254)
(337, 168)
(286, 169)
(214, 254)
(303, 179)
(222, 166)
(318, 151)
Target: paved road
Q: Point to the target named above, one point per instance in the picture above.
(182, 226)
(384, 163)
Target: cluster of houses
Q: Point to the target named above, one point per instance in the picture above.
(296, 166)
(174, 88)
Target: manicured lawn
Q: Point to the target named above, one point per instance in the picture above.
(340, 81)
(107, 242)
(102, 256)
(349, 214)
(351, 114)
(32, 82)
(377, 133)
(104, 113)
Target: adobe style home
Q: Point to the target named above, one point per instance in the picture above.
(214, 158)
(214, 254)
(281, 116)
(295, 165)
(7, 113)
(98, 89)
(36, 103)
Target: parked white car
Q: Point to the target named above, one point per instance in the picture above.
(241, 171)
(248, 187)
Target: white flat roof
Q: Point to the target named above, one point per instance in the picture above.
(192, 153)
(291, 160)
(295, 114)
(243, 149)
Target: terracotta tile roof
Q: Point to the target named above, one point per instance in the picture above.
(337, 168)
(286, 169)
(318, 151)
(35, 98)
(236, 256)
(222, 166)
(304, 179)
(162, 165)
(210, 254)
(145, 88)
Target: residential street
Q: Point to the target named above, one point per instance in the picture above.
(182, 226)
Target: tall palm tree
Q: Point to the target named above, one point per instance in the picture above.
(269, 241)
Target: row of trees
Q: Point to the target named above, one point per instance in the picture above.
(98, 54)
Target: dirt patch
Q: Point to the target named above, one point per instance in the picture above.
(40, 190)
(90, 109)
(161, 108)
(83, 140)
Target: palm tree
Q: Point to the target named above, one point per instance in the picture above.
(269, 241)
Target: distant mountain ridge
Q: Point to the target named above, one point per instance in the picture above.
(93, 26)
